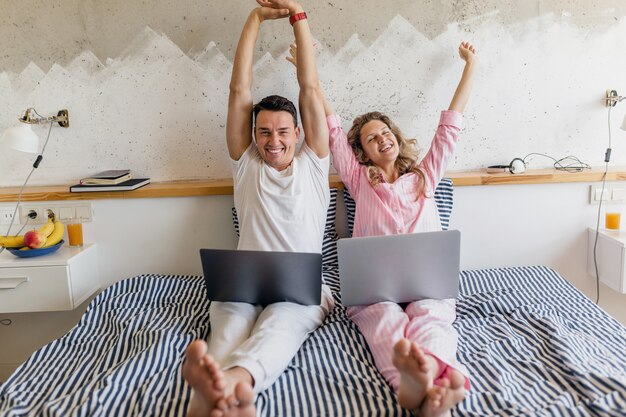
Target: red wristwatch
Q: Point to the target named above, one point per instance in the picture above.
(298, 16)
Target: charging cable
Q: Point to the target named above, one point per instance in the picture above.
(569, 163)
(607, 158)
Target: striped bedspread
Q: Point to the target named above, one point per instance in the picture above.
(533, 344)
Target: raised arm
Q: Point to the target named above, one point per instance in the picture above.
(463, 90)
(310, 101)
(442, 146)
(293, 58)
(239, 119)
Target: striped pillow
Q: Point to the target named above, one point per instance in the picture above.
(443, 197)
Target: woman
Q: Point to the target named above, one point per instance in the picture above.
(413, 345)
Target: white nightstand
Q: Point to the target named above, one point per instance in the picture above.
(611, 256)
(58, 281)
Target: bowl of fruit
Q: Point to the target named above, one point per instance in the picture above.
(27, 252)
(37, 242)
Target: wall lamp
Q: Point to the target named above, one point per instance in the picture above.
(22, 138)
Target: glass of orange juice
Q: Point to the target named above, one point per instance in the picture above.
(75, 232)
(613, 220)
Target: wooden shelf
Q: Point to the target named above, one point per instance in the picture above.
(193, 188)
(536, 176)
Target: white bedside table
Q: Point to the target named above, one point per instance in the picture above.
(58, 281)
(611, 256)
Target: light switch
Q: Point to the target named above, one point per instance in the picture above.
(83, 212)
(618, 194)
(599, 194)
(66, 213)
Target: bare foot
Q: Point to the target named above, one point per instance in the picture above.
(239, 404)
(416, 373)
(441, 398)
(205, 377)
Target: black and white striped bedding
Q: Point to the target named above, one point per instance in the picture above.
(534, 346)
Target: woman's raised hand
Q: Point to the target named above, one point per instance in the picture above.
(293, 50)
(467, 52)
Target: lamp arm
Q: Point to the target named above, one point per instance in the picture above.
(613, 100)
(62, 118)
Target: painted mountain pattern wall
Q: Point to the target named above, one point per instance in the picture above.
(162, 112)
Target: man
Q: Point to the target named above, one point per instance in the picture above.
(281, 197)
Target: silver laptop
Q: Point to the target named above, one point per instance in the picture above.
(258, 277)
(399, 268)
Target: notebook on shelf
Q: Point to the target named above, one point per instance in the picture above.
(110, 177)
(128, 185)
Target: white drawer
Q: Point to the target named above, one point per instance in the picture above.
(36, 288)
(611, 257)
(58, 281)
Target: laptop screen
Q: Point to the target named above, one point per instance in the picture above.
(399, 268)
(260, 277)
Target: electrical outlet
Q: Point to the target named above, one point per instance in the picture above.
(6, 215)
(63, 211)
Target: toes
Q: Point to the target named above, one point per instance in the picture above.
(443, 382)
(436, 393)
(215, 373)
(196, 350)
(210, 365)
(244, 393)
(418, 354)
(434, 398)
(219, 384)
(221, 404)
(402, 347)
(231, 401)
(457, 380)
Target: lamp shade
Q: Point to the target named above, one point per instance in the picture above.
(624, 123)
(21, 138)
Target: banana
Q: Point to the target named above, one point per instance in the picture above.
(12, 241)
(47, 228)
(56, 235)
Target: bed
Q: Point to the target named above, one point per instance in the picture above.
(534, 346)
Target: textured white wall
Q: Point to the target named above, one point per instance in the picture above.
(161, 111)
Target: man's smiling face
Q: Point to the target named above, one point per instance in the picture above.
(276, 138)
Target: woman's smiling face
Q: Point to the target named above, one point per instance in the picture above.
(379, 143)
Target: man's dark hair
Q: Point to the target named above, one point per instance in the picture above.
(276, 103)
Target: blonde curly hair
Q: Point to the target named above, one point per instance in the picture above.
(407, 157)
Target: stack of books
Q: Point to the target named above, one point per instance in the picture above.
(112, 180)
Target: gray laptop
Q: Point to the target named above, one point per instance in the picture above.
(399, 268)
(263, 278)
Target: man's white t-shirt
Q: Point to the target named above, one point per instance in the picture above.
(281, 210)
